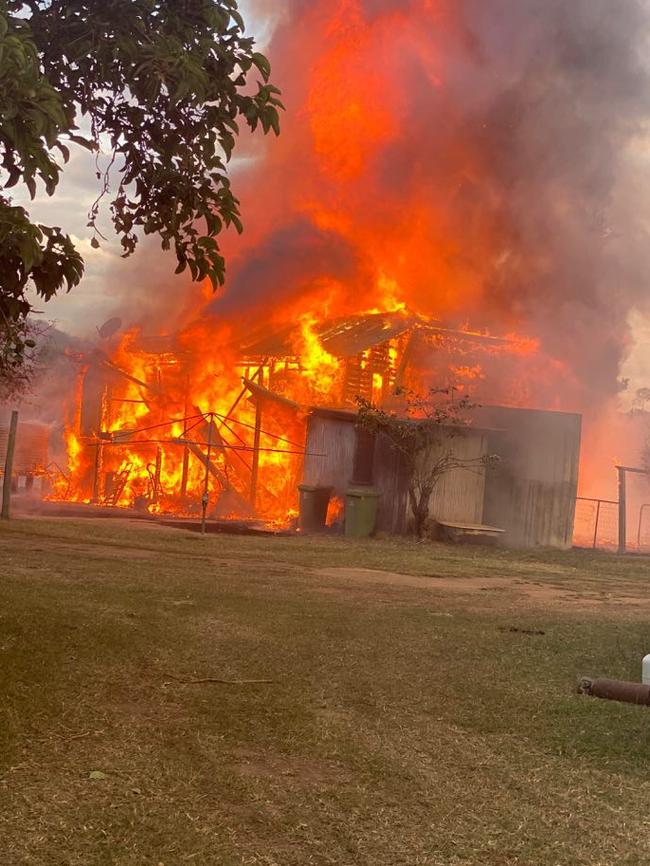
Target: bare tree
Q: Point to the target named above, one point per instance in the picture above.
(424, 438)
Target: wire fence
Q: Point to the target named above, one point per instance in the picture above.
(596, 525)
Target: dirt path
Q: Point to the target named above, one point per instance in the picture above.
(557, 585)
(542, 594)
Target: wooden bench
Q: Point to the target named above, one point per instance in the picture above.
(457, 532)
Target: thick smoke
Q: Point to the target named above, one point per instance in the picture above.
(291, 262)
(487, 155)
(558, 146)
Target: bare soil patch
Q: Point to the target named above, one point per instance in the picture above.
(543, 594)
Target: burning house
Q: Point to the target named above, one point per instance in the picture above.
(277, 409)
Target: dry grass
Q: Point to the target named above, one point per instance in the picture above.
(406, 723)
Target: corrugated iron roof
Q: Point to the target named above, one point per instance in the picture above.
(347, 337)
(343, 337)
(269, 344)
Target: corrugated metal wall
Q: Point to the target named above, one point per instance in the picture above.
(392, 483)
(335, 439)
(532, 494)
(459, 496)
(460, 493)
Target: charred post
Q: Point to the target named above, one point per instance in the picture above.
(256, 442)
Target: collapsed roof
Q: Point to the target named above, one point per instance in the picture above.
(347, 337)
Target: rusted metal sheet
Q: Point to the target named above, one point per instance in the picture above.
(348, 337)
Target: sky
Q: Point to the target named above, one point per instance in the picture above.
(109, 279)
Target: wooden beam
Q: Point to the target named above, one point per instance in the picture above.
(208, 464)
(256, 442)
(262, 393)
(97, 472)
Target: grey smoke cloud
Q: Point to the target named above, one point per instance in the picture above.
(551, 100)
(284, 265)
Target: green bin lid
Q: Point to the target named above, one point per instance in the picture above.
(363, 493)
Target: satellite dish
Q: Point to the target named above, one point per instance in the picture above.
(110, 328)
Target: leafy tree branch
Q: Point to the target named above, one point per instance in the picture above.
(166, 86)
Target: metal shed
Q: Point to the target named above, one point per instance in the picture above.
(532, 494)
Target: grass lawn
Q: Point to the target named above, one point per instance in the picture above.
(422, 706)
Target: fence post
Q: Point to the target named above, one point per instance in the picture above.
(642, 511)
(9, 466)
(622, 510)
(596, 527)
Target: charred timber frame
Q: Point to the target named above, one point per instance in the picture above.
(371, 348)
(257, 439)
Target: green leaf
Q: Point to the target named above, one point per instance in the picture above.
(65, 152)
(261, 62)
(165, 87)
